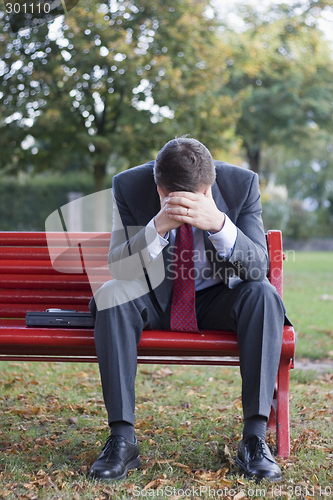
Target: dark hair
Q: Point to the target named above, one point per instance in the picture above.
(184, 164)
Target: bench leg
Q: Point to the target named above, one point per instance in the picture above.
(282, 414)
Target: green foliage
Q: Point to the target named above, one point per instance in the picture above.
(121, 79)
(25, 205)
(295, 222)
(324, 223)
(308, 173)
(275, 214)
(301, 223)
(283, 67)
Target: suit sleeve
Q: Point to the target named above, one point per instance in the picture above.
(249, 256)
(128, 255)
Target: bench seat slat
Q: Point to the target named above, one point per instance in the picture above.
(166, 341)
(169, 343)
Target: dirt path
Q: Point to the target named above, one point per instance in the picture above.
(322, 366)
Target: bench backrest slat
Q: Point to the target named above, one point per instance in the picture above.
(39, 239)
(38, 281)
(42, 253)
(28, 280)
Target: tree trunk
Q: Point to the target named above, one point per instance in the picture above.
(253, 155)
(99, 174)
(100, 202)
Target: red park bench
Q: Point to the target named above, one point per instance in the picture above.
(28, 282)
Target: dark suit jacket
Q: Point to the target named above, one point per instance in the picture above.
(236, 193)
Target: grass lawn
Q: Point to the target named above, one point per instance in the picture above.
(308, 296)
(189, 420)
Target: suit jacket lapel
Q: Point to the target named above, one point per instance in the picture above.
(210, 249)
(147, 210)
(218, 198)
(223, 207)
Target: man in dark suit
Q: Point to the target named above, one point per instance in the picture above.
(187, 252)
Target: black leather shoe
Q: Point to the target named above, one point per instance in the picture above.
(256, 461)
(117, 458)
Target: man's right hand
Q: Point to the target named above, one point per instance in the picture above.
(163, 223)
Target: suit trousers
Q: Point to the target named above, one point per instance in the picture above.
(253, 310)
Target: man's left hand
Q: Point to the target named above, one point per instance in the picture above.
(197, 209)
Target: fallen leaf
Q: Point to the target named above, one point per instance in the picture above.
(317, 413)
(156, 482)
(163, 372)
(185, 467)
(29, 486)
(240, 495)
(238, 403)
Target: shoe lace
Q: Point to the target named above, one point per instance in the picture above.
(110, 443)
(260, 451)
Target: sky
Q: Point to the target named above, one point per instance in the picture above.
(223, 7)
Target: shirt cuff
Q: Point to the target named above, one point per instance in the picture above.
(155, 245)
(224, 240)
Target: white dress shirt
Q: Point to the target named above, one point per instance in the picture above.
(223, 241)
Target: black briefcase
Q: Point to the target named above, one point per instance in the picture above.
(60, 318)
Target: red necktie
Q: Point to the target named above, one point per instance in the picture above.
(183, 316)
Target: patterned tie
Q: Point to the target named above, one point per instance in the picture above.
(183, 316)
